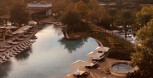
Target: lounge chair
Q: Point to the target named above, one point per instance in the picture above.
(80, 74)
(101, 59)
(92, 65)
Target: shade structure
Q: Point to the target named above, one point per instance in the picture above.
(32, 22)
(8, 27)
(79, 64)
(103, 49)
(22, 29)
(18, 32)
(95, 55)
(25, 28)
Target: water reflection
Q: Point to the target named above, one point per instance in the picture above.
(57, 30)
(49, 53)
(72, 45)
(4, 69)
(23, 55)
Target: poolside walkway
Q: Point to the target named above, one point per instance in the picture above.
(101, 71)
(51, 20)
(13, 48)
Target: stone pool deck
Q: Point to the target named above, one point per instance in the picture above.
(101, 71)
(51, 20)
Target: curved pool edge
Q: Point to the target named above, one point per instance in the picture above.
(121, 73)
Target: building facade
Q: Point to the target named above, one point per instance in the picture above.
(39, 10)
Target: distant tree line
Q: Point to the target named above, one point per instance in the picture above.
(77, 14)
(139, 21)
(15, 10)
(144, 1)
(136, 1)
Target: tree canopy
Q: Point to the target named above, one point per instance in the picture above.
(18, 14)
(71, 18)
(82, 9)
(143, 58)
(145, 15)
(144, 1)
(113, 14)
(125, 18)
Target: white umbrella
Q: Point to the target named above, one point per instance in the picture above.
(95, 55)
(79, 64)
(32, 22)
(103, 49)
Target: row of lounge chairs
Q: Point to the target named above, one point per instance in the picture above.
(14, 41)
(8, 51)
(14, 51)
(97, 56)
(10, 43)
(84, 74)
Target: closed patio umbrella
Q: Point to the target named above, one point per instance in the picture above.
(32, 22)
(79, 64)
(95, 55)
(103, 49)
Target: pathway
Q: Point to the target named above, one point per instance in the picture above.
(100, 72)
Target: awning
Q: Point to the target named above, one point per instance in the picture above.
(8, 27)
(22, 29)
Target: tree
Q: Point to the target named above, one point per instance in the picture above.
(105, 22)
(125, 19)
(112, 13)
(71, 19)
(144, 16)
(86, 1)
(143, 58)
(27, 1)
(82, 9)
(5, 6)
(144, 1)
(60, 6)
(18, 14)
(95, 12)
(4, 10)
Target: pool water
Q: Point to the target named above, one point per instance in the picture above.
(122, 67)
(49, 57)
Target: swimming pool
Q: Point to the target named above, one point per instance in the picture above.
(49, 57)
(122, 67)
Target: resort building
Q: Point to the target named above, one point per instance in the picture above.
(39, 10)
